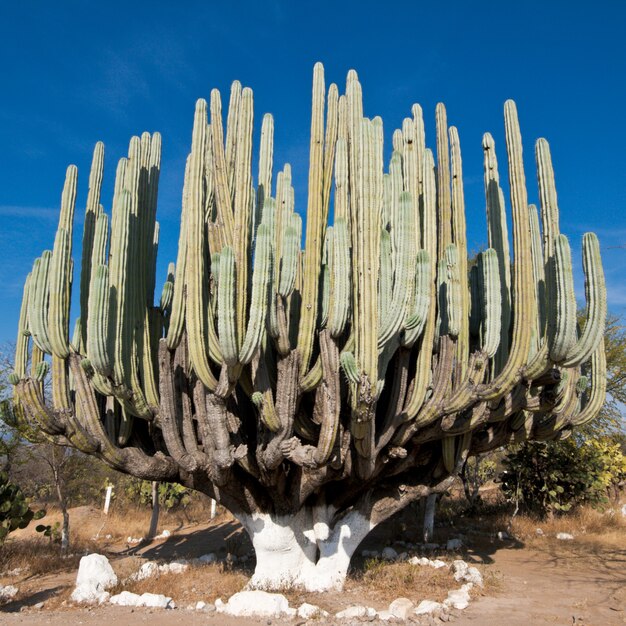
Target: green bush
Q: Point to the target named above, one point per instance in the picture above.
(556, 476)
(171, 495)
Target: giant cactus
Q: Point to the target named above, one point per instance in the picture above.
(312, 390)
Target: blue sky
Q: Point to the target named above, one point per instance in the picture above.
(78, 72)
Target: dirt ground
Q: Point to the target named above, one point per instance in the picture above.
(540, 581)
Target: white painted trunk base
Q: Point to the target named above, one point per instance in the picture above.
(302, 550)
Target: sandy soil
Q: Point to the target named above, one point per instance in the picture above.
(545, 582)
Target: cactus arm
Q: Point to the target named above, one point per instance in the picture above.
(491, 300)
(523, 288)
(392, 323)
(459, 239)
(196, 321)
(225, 219)
(226, 327)
(418, 314)
(417, 394)
(597, 395)
(242, 207)
(314, 224)
(562, 318)
(340, 295)
(444, 206)
(98, 321)
(21, 343)
(595, 293)
(498, 238)
(330, 143)
(258, 301)
(233, 129)
(92, 211)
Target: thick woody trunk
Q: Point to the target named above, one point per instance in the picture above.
(300, 550)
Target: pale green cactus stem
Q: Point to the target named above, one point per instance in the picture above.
(342, 202)
(595, 294)
(242, 208)
(562, 318)
(491, 301)
(58, 307)
(365, 252)
(327, 268)
(330, 143)
(266, 163)
(23, 334)
(177, 314)
(340, 295)
(540, 281)
(233, 120)
(226, 326)
(98, 321)
(92, 211)
(392, 323)
(459, 238)
(385, 274)
(289, 261)
(314, 224)
(167, 294)
(221, 186)
(444, 203)
(258, 301)
(417, 395)
(498, 238)
(410, 171)
(418, 311)
(194, 281)
(453, 291)
(350, 367)
(38, 302)
(523, 286)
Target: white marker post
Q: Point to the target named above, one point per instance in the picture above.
(107, 499)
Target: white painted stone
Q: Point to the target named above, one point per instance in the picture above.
(352, 611)
(437, 564)
(219, 604)
(147, 570)
(459, 569)
(428, 607)
(8, 592)
(564, 536)
(454, 544)
(539, 532)
(156, 600)
(624, 510)
(310, 611)
(133, 540)
(95, 570)
(256, 603)
(473, 576)
(200, 605)
(386, 616)
(401, 608)
(458, 599)
(95, 576)
(125, 598)
(175, 567)
(389, 554)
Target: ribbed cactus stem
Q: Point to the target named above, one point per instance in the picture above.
(595, 293)
(21, 342)
(314, 223)
(562, 319)
(58, 311)
(498, 238)
(226, 327)
(92, 211)
(491, 300)
(340, 294)
(195, 281)
(258, 301)
(98, 321)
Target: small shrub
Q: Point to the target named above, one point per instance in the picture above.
(15, 511)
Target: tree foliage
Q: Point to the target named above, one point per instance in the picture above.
(15, 510)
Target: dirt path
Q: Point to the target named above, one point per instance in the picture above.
(547, 582)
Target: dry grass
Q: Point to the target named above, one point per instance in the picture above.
(199, 582)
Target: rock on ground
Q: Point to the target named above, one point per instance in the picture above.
(8, 593)
(356, 611)
(459, 598)
(454, 544)
(126, 598)
(427, 607)
(256, 604)
(95, 576)
(389, 554)
(401, 608)
(564, 536)
(309, 611)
